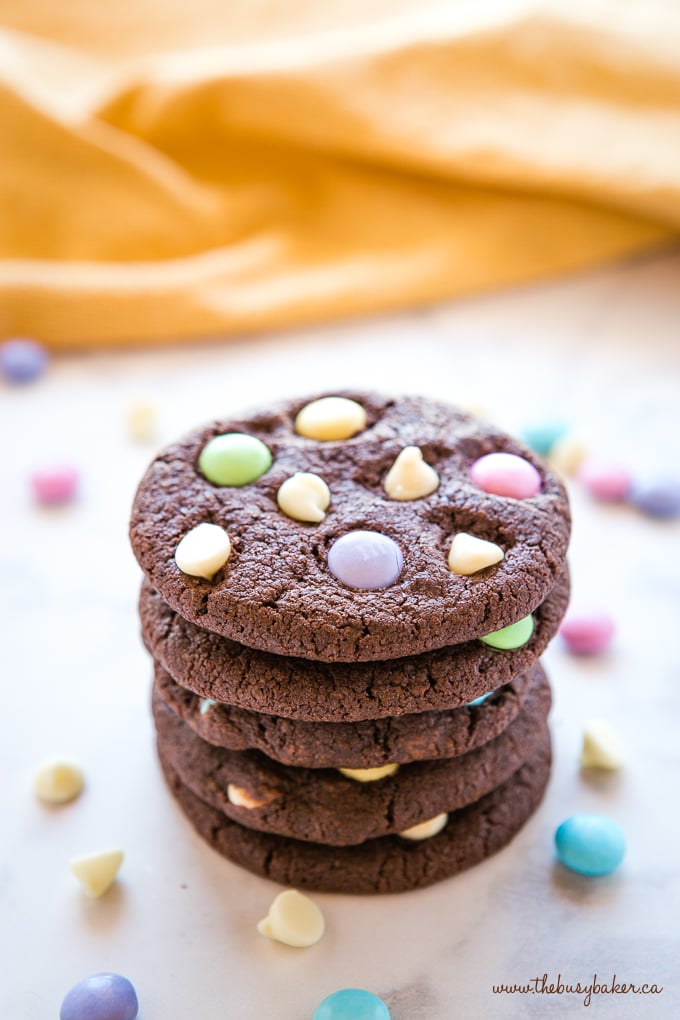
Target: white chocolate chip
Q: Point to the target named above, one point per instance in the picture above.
(425, 830)
(468, 554)
(57, 782)
(203, 551)
(141, 421)
(330, 418)
(294, 920)
(410, 477)
(602, 746)
(567, 454)
(239, 797)
(370, 775)
(304, 497)
(97, 872)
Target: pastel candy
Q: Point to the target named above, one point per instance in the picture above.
(657, 498)
(480, 700)
(587, 633)
(609, 483)
(371, 775)
(602, 746)
(513, 636)
(352, 1004)
(506, 474)
(203, 551)
(330, 418)
(568, 454)
(22, 361)
(468, 554)
(101, 997)
(410, 477)
(365, 559)
(234, 459)
(590, 844)
(58, 782)
(142, 421)
(97, 872)
(304, 497)
(54, 486)
(541, 436)
(426, 830)
(293, 919)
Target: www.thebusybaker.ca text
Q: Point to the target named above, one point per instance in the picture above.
(544, 986)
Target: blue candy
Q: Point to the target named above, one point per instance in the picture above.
(542, 436)
(480, 700)
(590, 844)
(352, 1004)
(657, 498)
(22, 361)
(100, 997)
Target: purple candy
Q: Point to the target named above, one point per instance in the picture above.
(365, 559)
(22, 361)
(100, 997)
(610, 483)
(658, 498)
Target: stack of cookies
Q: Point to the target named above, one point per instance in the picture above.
(346, 599)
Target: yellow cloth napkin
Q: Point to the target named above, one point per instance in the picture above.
(198, 168)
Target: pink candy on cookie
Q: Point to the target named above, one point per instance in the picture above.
(506, 474)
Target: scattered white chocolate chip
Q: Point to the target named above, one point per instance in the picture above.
(330, 418)
(567, 454)
(141, 421)
(468, 554)
(97, 872)
(57, 782)
(602, 746)
(410, 477)
(304, 497)
(294, 920)
(425, 830)
(370, 775)
(239, 797)
(203, 551)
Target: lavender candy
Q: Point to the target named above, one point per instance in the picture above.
(100, 997)
(658, 497)
(365, 559)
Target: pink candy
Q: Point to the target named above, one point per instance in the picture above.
(54, 485)
(587, 633)
(505, 474)
(607, 482)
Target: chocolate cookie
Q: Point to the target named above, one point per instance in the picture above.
(418, 737)
(323, 805)
(278, 591)
(215, 667)
(386, 865)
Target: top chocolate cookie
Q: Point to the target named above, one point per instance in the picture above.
(353, 528)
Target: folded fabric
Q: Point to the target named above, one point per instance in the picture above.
(208, 169)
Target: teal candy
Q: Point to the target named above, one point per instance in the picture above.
(513, 636)
(234, 459)
(542, 436)
(480, 700)
(352, 1004)
(590, 844)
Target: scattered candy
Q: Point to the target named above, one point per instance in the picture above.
(371, 775)
(609, 483)
(203, 551)
(410, 477)
(54, 485)
(97, 872)
(100, 997)
(352, 1004)
(513, 636)
(22, 361)
(542, 436)
(304, 497)
(602, 747)
(468, 554)
(234, 459)
(365, 559)
(660, 498)
(294, 920)
(587, 633)
(568, 454)
(142, 421)
(239, 797)
(58, 782)
(425, 830)
(480, 700)
(505, 474)
(590, 844)
(331, 418)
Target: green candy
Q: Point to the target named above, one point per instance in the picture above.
(234, 459)
(514, 636)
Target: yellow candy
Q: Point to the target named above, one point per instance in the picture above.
(331, 418)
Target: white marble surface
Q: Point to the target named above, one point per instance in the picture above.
(604, 350)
